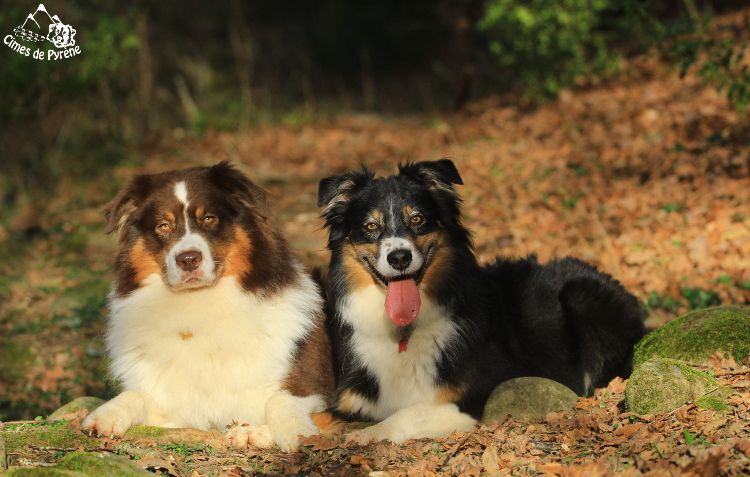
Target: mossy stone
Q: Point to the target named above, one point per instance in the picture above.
(96, 464)
(53, 434)
(86, 402)
(527, 399)
(146, 432)
(662, 385)
(696, 336)
(41, 472)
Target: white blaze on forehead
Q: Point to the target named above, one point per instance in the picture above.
(189, 241)
(180, 191)
(390, 244)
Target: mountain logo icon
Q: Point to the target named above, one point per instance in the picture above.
(40, 26)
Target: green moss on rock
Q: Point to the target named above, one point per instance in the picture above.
(145, 432)
(96, 464)
(696, 336)
(87, 402)
(41, 472)
(527, 399)
(715, 403)
(18, 438)
(662, 385)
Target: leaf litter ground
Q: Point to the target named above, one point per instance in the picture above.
(645, 175)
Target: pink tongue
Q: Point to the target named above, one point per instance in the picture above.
(402, 301)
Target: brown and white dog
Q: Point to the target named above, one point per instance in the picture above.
(212, 320)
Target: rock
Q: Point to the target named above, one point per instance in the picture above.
(74, 407)
(90, 464)
(95, 464)
(662, 385)
(696, 336)
(527, 399)
(20, 437)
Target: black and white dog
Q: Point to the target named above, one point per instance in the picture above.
(423, 332)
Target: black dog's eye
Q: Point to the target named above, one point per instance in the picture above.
(416, 220)
(371, 227)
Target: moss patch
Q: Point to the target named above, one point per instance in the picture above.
(94, 464)
(41, 472)
(145, 432)
(696, 336)
(714, 403)
(56, 434)
(87, 402)
(662, 385)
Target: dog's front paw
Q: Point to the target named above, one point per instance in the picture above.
(108, 420)
(287, 435)
(366, 436)
(244, 435)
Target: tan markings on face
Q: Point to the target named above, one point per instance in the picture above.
(359, 276)
(406, 212)
(199, 212)
(169, 216)
(237, 254)
(143, 262)
(185, 335)
(450, 394)
(377, 215)
(440, 261)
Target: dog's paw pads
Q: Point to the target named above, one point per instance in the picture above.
(107, 421)
(361, 437)
(243, 435)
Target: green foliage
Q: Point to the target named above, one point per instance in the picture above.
(546, 45)
(107, 47)
(699, 298)
(719, 63)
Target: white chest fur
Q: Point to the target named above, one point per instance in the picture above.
(209, 356)
(406, 378)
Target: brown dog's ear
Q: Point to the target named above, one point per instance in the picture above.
(440, 174)
(249, 194)
(117, 211)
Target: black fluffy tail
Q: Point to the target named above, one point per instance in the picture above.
(607, 321)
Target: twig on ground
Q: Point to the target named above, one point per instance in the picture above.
(455, 449)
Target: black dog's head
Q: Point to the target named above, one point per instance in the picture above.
(405, 226)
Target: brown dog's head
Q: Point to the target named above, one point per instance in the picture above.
(192, 227)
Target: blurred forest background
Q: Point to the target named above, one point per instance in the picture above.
(613, 130)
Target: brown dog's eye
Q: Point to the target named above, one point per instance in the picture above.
(371, 226)
(417, 220)
(210, 220)
(164, 227)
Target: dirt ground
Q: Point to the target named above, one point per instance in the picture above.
(646, 176)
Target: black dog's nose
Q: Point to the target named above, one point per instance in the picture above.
(189, 260)
(400, 259)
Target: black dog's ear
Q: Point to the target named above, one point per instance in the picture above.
(337, 189)
(249, 194)
(334, 194)
(440, 174)
(117, 211)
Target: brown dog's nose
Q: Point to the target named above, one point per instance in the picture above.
(189, 260)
